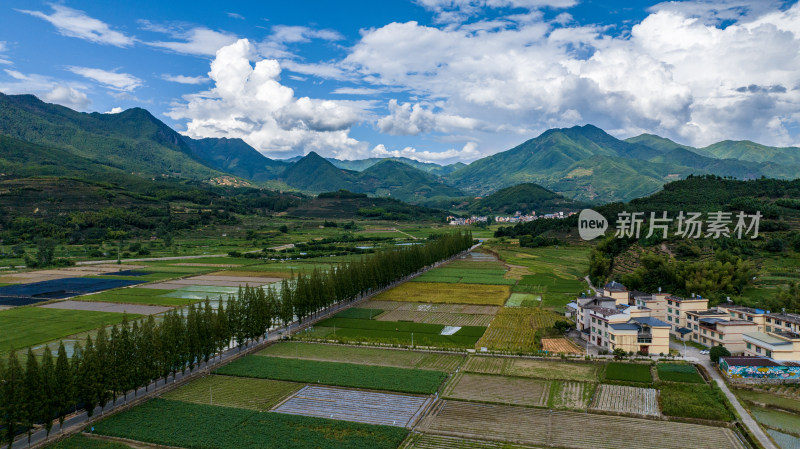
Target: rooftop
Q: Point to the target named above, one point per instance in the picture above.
(615, 286)
(744, 309)
(790, 317)
(624, 327)
(708, 312)
(750, 361)
(767, 338)
(650, 321)
(684, 330)
(679, 299)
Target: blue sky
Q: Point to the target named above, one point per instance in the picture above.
(435, 80)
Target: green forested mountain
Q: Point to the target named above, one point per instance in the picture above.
(387, 178)
(524, 198)
(587, 164)
(133, 140)
(236, 157)
(363, 164)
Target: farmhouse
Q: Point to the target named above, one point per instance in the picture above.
(645, 335)
(778, 345)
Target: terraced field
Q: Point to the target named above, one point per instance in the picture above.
(498, 389)
(424, 441)
(571, 395)
(622, 399)
(239, 392)
(542, 369)
(366, 407)
(514, 329)
(365, 356)
(566, 429)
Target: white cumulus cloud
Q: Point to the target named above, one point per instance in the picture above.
(468, 153)
(123, 82)
(183, 79)
(249, 101)
(49, 89)
(74, 23)
(195, 40)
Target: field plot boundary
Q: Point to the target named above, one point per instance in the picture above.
(368, 407)
(432, 441)
(567, 429)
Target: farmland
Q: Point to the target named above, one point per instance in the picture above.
(239, 392)
(676, 372)
(498, 389)
(338, 374)
(427, 441)
(393, 332)
(632, 400)
(175, 423)
(29, 326)
(365, 356)
(137, 295)
(560, 346)
(628, 372)
(569, 429)
(541, 369)
(515, 329)
(433, 292)
(367, 407)
(571, 395)
(694, 401)
(468, 273)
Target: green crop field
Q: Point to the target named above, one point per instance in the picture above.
(28, 326)
(433, 292)
(365, 356)
(338, 374)
(81, 441)
(182, 424)
(694, 401)
(465, 274)
(392, 332)
(628, 372)
(677, 372)
(133, 295)
(239, 392)
(777, 419)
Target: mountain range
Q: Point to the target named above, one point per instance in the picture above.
(581, 163)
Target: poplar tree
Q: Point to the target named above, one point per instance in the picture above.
(48, 377)
(64, 389)
(13, 394)
(33, 396)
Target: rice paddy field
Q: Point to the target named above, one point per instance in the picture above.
(365, 356)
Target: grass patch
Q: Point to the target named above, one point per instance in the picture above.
(679, 372)
(359, 314)
(365, 356)
(628, 372)
(694, 401)
(338, 374)
(175, 423)
(30, 326)
(493, 295)
(83, 442)
(239, 392)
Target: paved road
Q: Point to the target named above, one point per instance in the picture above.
(78, 421)
(747, 420)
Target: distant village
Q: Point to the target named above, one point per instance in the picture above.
(518, 217)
